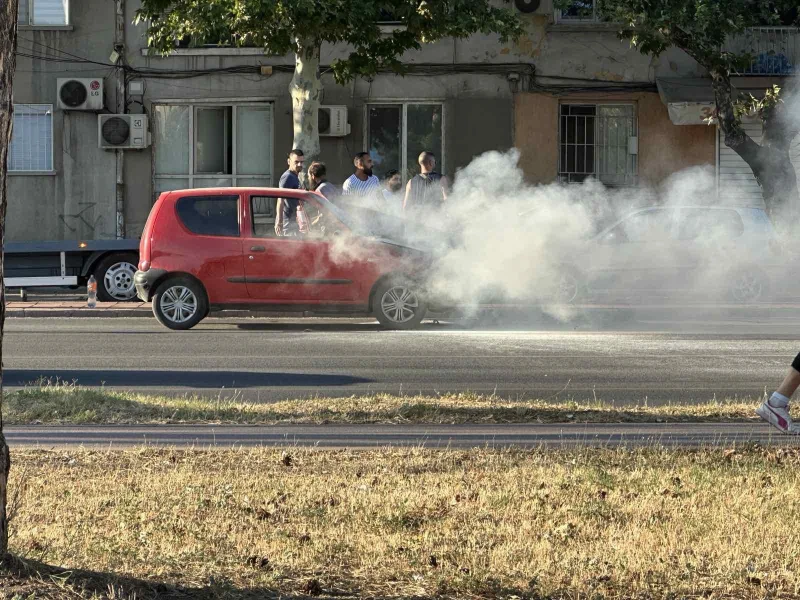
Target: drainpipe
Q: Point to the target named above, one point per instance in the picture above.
(119, 47)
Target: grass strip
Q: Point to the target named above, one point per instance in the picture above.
(405, 523)
(70, 404)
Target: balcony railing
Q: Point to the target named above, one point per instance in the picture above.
(775, 50)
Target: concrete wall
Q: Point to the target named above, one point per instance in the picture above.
(78, 200)
(664, 148)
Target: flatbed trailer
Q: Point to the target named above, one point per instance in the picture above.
(70, 264)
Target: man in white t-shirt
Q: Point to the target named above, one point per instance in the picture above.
(362, 183)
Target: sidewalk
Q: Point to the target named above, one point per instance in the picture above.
(77, 309)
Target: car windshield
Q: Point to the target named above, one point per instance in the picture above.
(368, 222)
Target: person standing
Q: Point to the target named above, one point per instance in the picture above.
(428, 190)
(393, 201)
(362, 183)
(286, 208)
(318, 181)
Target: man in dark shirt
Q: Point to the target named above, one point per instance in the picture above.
(286, 209)
(427, 192)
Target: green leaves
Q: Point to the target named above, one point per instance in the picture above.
(275, 25)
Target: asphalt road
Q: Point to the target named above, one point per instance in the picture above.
(270, 360)
(429, 436)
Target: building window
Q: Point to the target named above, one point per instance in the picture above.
(578, 11)
(598, 140)
(43, 12)
(31, 138)
(398, 133)
(212, 145)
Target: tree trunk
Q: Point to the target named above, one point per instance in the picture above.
(781, 126)
(770, 161)
(306, 89)
(8, 45)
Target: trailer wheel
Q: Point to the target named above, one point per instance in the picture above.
(114, 275)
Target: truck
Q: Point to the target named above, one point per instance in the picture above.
(70, 264)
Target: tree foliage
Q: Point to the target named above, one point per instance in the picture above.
(288, 26)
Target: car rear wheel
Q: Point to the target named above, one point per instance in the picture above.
(399, 304)
(180, 303)
(114, 275)
(568, 286)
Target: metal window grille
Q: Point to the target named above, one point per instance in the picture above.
(775, 50)
(31, 138)
(598, 140)
(578, 11)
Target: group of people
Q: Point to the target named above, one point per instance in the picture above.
(424, 192)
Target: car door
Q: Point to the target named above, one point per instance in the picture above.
(636, 254)
(292, 270)
(212, 250)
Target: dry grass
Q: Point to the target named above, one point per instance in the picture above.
(410, 523)
(69, 404)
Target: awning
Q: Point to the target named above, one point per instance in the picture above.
(689, 100)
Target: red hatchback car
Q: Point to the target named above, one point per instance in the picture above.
(216, 249)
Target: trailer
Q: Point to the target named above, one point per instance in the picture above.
(70, 264)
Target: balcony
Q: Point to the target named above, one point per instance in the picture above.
(775, 50)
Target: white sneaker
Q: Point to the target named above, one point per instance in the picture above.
(777, 416)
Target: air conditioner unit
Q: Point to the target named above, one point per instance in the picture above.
(332, 121)
(122, 132)
(80, 94)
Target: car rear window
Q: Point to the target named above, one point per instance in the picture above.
(210, 215)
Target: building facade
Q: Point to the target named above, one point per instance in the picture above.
(574, 99)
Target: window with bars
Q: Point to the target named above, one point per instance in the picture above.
(578, 11)
(212, 145)
(598, 140)
(31, 138)
(43, 12)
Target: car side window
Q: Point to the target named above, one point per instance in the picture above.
(646, 226)
(706, 224)
(262, 210)
(210, 215)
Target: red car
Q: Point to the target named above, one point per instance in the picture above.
(216, 249)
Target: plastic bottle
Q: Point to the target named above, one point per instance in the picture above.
(91, 289)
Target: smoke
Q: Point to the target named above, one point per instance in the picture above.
(498, 239)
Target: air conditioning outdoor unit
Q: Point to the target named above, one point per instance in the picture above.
(332, 121)
(122, 132)
(80, 94)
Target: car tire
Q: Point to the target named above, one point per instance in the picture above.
(180, 303)
(569, 285)
(748, 285)
(114, 275)
(399, 303)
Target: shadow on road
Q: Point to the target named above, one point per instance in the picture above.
(196, 379)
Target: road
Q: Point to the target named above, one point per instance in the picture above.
(429, 436)
(271, 360)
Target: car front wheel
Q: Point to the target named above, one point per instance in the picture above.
(399, 304)
(180, 303)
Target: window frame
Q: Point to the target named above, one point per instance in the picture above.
(404, 103)
(560, 173)
(562, 20)
(50, 171)
(30, 23)
(192, 176)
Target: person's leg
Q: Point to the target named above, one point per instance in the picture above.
(775, 410)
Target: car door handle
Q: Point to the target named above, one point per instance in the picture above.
(257, 249)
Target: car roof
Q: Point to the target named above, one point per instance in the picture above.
(228, 191)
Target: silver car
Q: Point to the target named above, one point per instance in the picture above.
(677, 252)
